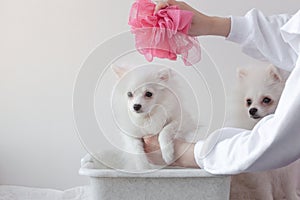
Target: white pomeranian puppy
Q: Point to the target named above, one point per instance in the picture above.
(257, 94)
(155, 106)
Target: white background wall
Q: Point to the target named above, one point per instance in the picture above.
(42, 44)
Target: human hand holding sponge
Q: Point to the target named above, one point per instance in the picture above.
(163, 33)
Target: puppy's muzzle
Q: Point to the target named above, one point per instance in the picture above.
(137, 107)
(253, 113)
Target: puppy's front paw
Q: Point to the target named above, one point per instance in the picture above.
(168, 153)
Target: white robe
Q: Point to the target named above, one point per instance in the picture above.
(275, 140)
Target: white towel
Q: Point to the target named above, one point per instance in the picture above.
(28, 193)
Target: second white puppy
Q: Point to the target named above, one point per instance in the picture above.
(259, 91)
(154, 107)
(257, 94)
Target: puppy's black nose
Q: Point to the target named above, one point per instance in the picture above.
(252, 111)
(137, 107)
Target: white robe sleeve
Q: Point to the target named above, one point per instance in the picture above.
(260, 38)
(275, 140)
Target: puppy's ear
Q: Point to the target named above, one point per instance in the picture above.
(164, 75)
(241, 73)
(119, 71)
(274, 73)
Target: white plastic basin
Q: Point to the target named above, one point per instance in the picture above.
(173, 184)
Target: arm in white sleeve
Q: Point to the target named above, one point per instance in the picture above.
(260, 37)
(274, 142)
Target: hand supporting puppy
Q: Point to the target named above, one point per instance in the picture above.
(201, 23)
(184, 151)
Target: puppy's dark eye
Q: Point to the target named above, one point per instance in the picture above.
(148, 94)
(129, 94)
(249, 102)
(266, 100)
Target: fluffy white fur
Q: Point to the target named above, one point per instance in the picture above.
(154, 105)
(257, 94)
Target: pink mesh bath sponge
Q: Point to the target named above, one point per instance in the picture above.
(163, 34)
